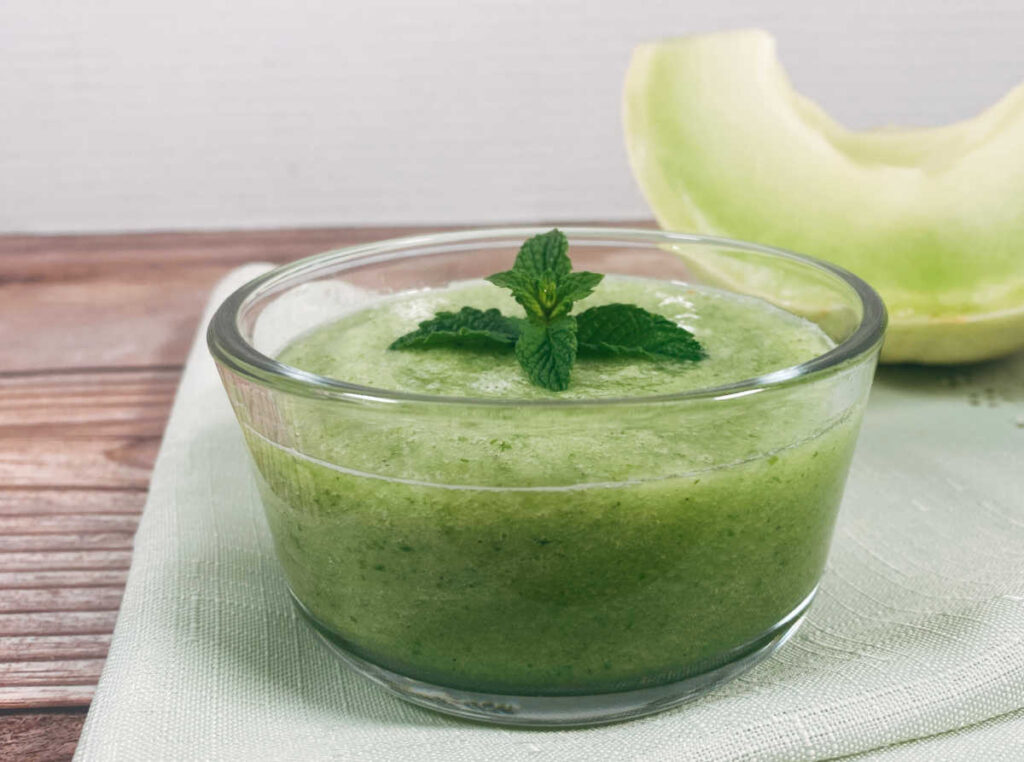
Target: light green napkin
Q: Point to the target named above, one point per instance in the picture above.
(916, 638)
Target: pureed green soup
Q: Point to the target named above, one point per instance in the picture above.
(541, 550)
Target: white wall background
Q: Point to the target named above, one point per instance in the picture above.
(134, 114)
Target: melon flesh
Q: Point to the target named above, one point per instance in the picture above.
(721, 143)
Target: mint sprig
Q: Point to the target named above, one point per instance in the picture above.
(542, 279)
(547, 341)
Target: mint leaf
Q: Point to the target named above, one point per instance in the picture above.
(572, 288)
(542, 279)
(469, 327)
(510, 279)
(625, 329)
(544, 253)
(525, 290)
(547, 351)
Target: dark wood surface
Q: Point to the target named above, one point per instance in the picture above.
(93, 334)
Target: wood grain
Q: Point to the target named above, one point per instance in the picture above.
(44, 647)
(37, 737)
(58, 623)
(68, 560)
(25, 580)
(46, 503)
(71, 302)
(21, 601)
(35, 672)
(68, 522)
(114, 403)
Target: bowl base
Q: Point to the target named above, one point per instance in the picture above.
(563, 711)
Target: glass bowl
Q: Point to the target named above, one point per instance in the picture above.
(549, 562)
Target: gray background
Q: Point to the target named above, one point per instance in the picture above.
(128, 115)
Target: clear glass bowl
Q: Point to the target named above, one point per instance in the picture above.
(547, 583)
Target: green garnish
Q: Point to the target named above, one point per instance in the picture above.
(547, 351)
(542, 279)
(547, 341)
(625, 329)
(468, 327)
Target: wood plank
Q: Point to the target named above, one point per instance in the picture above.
(89, 404)
(82, 541)
(78, 463)
(35, 501)
(53, 647)
(61, 697)
(58, 623)
(61, 599)
(99, 429)
(40, 736)
(85, 541)
(72, 522)
(128, 300)
(78, 578)
(92, 429)
(66, 560)
(52, 672)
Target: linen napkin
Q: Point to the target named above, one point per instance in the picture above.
(913, 650)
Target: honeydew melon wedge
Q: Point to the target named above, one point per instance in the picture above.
(721, 143)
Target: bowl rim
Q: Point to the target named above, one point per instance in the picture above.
(231, 350)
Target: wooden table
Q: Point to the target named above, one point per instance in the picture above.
(93, 334)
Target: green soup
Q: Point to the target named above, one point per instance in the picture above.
(538, 550)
